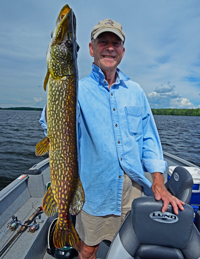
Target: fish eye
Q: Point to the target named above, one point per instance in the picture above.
(69, 43)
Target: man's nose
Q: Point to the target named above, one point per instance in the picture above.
(110, 46)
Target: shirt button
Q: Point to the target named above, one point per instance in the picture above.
(120, 176)
(104, 81)
(116, 125)
(112, 94)
(121, 159)
(118, 142)
(113, 109)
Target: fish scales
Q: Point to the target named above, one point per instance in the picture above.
(66, 192)
(63, 151)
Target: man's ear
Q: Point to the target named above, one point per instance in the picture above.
(91, 49)
(123, 52)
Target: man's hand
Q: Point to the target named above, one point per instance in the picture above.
(161, 193)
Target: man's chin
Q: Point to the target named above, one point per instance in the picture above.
(108, 65)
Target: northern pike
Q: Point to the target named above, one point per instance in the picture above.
(65, 192)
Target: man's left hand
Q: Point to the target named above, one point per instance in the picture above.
(161, 193)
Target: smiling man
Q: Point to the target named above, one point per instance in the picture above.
(117, 142)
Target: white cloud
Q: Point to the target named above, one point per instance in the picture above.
(181, 103)
(164, 96)
(37, 99)
(165, 88)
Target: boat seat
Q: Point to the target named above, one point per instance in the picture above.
(180, 184)
(147, 233)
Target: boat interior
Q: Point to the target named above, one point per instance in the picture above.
(23, 197)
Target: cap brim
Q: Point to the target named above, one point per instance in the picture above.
(109, 30)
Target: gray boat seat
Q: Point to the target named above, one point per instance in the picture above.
(180, 184)
(147, 233)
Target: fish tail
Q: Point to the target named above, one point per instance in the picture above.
(66, 236)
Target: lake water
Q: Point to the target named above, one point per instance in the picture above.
(20, 131)
(180, 136)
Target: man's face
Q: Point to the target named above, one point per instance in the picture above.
(107, 51)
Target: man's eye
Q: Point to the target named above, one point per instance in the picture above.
(116, 43)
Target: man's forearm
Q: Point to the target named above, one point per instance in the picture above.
(157, 177)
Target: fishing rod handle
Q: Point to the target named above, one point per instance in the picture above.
(27, 222)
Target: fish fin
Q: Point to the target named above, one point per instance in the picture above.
(46, 80)
(49, 204)
(42, 147)
(78, 199)
(63, 235)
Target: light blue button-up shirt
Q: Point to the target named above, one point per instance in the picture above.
(42, 121)
(116, 134)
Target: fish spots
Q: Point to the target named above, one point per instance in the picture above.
(65, 217)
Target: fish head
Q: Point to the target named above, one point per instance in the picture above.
(63, 48)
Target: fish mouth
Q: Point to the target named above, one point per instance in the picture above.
(64, 11)
(65, 24)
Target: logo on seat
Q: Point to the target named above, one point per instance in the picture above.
(176, 177)
(166, 217)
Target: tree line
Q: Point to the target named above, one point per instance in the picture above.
(180, 112)
(22, 108)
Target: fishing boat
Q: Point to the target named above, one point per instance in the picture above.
(25, 231)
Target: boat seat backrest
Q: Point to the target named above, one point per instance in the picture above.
(164, 229)
(180, 184)
(149, 233)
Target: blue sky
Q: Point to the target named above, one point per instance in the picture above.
(162, 47)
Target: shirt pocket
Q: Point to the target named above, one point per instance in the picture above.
(134, 119)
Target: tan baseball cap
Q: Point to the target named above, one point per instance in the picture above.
(108, 25)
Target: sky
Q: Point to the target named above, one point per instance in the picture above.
(162, 47)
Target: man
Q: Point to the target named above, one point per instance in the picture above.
(117, 142)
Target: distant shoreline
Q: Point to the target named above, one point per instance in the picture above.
(166, 111)
(178, 112)
(22, 108)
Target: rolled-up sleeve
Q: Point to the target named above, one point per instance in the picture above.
(152, 154)
(43, 122)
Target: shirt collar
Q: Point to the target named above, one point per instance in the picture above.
(99, 75)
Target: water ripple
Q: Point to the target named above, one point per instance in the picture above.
(20, 131)
(180, 136)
